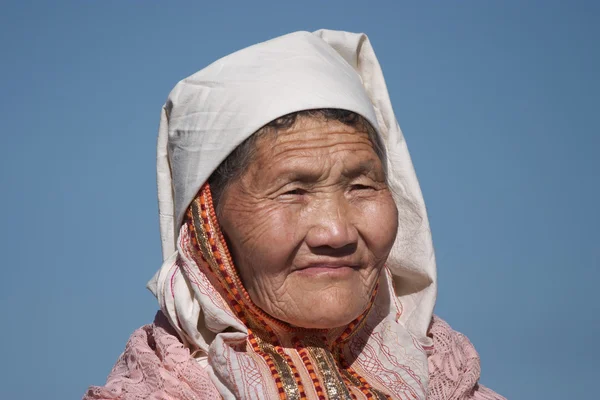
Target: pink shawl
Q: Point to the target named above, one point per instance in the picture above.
(156, 365)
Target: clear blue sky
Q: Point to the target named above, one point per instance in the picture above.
(499, 101)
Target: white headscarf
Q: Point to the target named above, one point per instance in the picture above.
(211, 112)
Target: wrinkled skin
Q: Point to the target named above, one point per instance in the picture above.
(310, 223)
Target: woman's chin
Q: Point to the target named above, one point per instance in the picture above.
(319, 306)
(325, 317)
(324, 323)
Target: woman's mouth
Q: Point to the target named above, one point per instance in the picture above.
(335, 269)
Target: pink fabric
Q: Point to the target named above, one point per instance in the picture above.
(454, 367)
(156, 365)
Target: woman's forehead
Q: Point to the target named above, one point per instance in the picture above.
(306, 131)
(313, 139)
(306, 158)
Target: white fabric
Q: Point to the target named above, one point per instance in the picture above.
(209, 113)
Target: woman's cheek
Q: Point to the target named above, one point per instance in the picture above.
(380, 224)
(275, 238)
(271, 257)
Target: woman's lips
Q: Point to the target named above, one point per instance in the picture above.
(327, 269)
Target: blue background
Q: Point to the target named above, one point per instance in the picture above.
(498, 101)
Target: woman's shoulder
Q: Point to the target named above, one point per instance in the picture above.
(454, 366)
(155, 361)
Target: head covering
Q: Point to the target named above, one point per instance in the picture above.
(210, 113)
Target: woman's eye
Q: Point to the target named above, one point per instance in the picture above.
(360, 187)
(295, 192)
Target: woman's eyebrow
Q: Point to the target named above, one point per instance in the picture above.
(364, 167)
(295, 175)
(313, 174)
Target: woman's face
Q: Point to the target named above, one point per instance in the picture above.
(310, 223)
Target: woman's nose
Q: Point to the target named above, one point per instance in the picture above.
(331, 225)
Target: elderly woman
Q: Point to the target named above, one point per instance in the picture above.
(298, 261)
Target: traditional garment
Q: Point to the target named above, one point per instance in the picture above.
(156, 365)
(221, 343)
